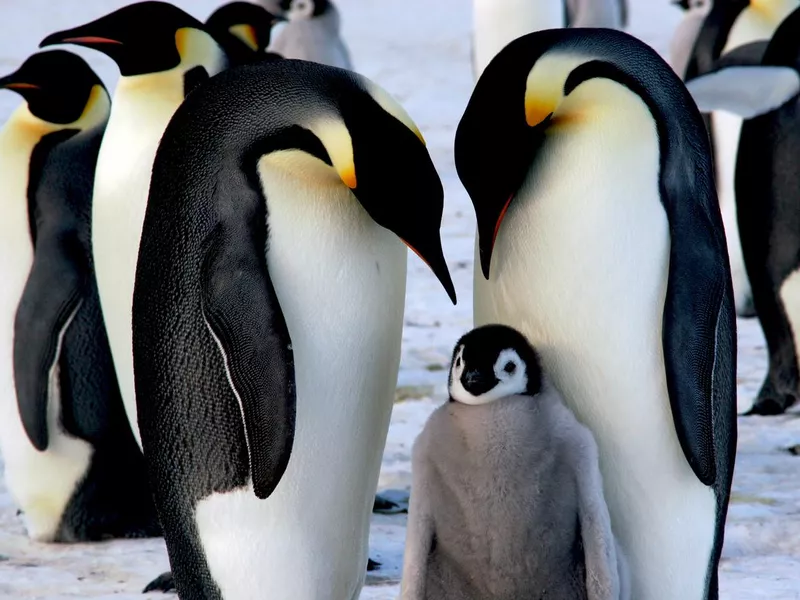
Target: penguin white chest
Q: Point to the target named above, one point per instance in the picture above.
(340, 280)
(499, 22)
(41, 483)
(581, 267)
(139, 115)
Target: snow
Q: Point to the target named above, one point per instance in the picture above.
(420, 52)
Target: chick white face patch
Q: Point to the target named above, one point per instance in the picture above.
(509, 371)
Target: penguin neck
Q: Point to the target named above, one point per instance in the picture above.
(758, 22)
(197, 48)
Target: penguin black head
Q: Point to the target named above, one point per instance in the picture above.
(554, 83)
(378, 152)
(243, 29)
(395, 194)
(493, 362)
(57, 85)
(305, 9)
(143, 38)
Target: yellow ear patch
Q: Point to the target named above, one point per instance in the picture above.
(247, 34)
(544, 88)
(335, 136)
(198, 48)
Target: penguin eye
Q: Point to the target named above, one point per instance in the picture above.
(458, 362)
(510, 367)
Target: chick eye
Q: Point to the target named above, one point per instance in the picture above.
(458, 362)
(510, 367)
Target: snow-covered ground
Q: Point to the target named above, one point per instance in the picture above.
(419, 51)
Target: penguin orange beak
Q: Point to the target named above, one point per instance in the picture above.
(18, 86)
(67, 37)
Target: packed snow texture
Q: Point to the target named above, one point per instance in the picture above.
(419, 50)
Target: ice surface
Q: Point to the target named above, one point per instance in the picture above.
(419, 50)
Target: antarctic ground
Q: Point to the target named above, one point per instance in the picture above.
(419, 51)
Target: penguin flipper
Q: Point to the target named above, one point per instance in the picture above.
(243, 314)
(745, 90)
(699, 328)
(51, 297)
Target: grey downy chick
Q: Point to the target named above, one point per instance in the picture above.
(312, 32)
(507, 500)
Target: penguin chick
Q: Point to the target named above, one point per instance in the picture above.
(311, 33)
(244, 31)
(507, 497)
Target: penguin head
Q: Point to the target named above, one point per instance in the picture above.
(551, 85)
(378, 152)
(299, 9)
(60, 88)
(145, 37)
(493, 362)
(244, 25)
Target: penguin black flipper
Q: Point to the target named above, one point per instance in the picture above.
(697, 350)
(242, 311)
(50, 299)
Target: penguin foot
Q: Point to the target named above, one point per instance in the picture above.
(163, 583)
(747, 310)
(373, 565)
(772, 405)
(391, 502)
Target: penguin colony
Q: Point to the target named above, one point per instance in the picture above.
(204, 278)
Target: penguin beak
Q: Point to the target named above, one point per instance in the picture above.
(394, 179)
(73, 36)
(9, 84)
(15, 82)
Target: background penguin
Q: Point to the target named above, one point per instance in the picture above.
(507, 493)
(622, 283)
(768, 194)
(312, 32)
(682, 44)
(71, 462)
(243, 30)
(162, 54)
(729, 25)
(265, 377)
(498, 22)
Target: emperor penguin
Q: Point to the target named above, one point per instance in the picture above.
(312, 32)
(600, 239)
(267, 323)
(162, 54)
(498, 22)
(683, 40)
(71, 463)
(766, 95)
(729, 25)
(244, 30)
(507, 494)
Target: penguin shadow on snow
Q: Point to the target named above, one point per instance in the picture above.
(760, 83)
(507, 491)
